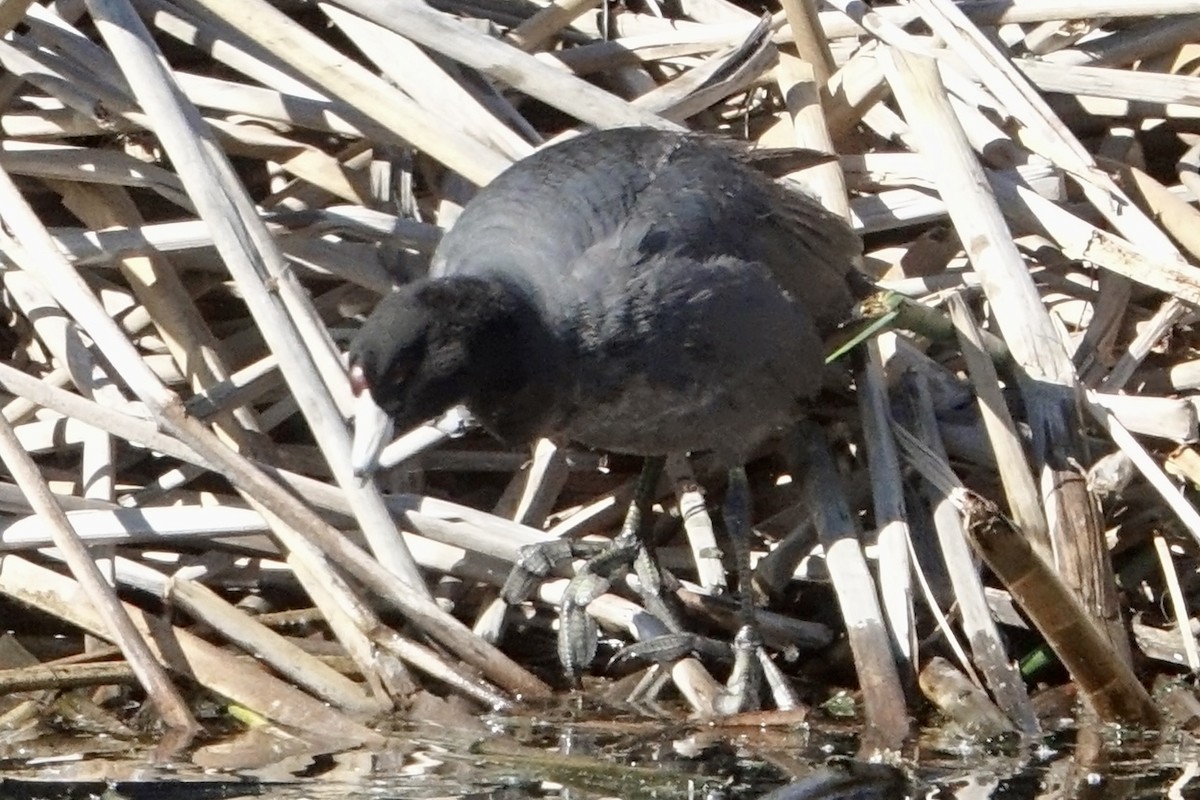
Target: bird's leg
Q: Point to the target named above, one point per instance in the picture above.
(577, 636)
(742, 689)
(737, 528)
(743, 686)
(654, 583)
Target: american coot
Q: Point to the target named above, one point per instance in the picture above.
(634, 290)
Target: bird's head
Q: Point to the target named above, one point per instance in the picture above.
(408, 363)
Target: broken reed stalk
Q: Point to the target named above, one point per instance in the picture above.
(978, 626)
(538, 29)
(1112, 689)
(1178, 604)
(883, 694)
(1105, 678)
(443, 34)
(891, 516)
(363, 90)
(963, 702)
(810, 41)
(1016, 474)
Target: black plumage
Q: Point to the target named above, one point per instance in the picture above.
(635, 290)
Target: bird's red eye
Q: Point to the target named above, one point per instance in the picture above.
(358, 380)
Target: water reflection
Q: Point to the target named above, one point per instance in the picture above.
(631, 759)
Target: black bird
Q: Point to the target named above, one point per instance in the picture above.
(634, 290)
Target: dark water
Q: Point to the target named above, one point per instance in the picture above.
(520, 760)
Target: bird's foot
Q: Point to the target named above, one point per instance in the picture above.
(744, 685)
(577, 631)
(674, 646)
(537, 561)
(577, 634)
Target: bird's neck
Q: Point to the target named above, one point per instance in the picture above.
(510, 353)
